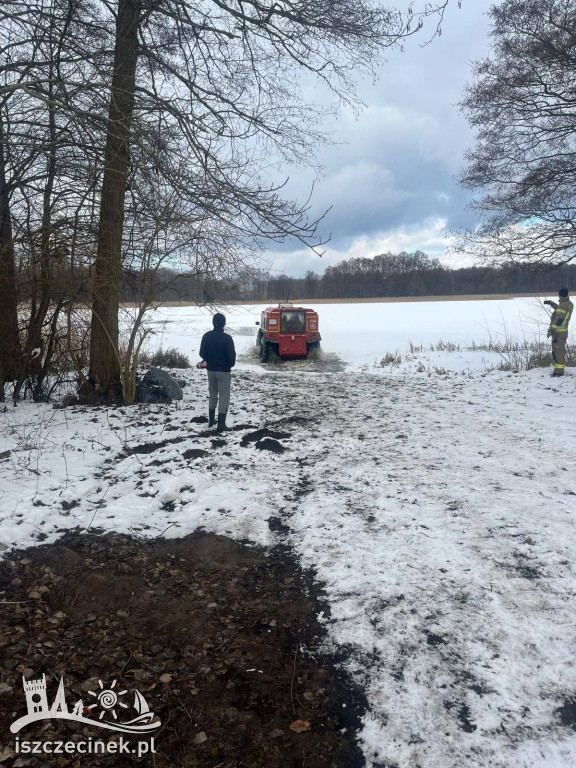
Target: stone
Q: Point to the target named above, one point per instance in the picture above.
(159, 378)
(149, 393)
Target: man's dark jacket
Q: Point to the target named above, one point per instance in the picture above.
(217, 348)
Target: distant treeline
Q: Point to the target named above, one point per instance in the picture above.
(386, 275)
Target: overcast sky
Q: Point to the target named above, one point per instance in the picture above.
(391, 180)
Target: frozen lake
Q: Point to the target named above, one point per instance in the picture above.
(361, 334)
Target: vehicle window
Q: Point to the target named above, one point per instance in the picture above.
(293, 322)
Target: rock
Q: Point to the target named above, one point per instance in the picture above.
(200, 738)
(159, 378)
(148, 393)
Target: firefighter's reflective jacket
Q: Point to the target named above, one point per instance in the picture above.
(561, 315)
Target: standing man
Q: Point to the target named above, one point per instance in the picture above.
(558, 329)
(217, 350)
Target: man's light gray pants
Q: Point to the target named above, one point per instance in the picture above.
(219, 390)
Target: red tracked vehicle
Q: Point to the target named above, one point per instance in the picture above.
(287, 331)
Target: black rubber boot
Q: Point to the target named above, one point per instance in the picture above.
(221, 423)
(557, 372)
(212, 417)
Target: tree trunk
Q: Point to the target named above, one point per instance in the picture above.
(105, 370)
(10, 353)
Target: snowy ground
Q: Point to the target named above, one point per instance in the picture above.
(437, 509)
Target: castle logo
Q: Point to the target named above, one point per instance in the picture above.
(101, 711)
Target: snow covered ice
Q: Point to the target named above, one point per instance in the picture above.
(438, 510)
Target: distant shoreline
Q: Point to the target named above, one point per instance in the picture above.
(377, 300)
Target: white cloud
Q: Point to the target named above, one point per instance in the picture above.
(430, 236)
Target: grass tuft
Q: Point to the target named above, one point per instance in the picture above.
(166, 358)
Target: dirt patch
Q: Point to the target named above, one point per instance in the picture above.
(150, 447)
(462, 714)
(260, 434)
(275, 524)
(270, 445)
(433, 639)
(194, 453)
(210, 632)
(567, 713)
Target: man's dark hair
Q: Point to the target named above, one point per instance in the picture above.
(218, 321)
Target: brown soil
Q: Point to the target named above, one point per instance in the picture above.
(216, 637)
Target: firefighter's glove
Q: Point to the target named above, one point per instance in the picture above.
(548, 302)
(549, 333)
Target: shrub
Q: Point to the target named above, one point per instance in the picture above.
(166, 358)
(445, 346)
(391, 358)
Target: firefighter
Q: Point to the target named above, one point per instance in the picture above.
(217, 351)
(558, 330)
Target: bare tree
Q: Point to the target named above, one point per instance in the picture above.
(48, 165)
(523, 106)
(10, 352)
